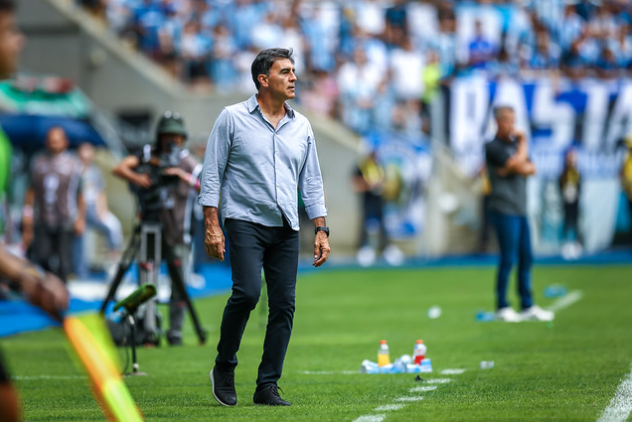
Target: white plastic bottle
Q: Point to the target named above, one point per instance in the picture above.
(419, 352)
(383, 355)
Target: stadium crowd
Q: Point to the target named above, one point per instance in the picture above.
(372, 63)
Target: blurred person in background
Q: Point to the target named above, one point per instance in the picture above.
(98, 216)
(481, 50)
(43, 290)
(508, 166)
(626, 178)
(368, 181)
(358, 81)
(175, 185)
(54, 211)
(570, 189)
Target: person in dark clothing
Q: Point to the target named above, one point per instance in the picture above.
(508, 166)
(43, 290)
(175, 207)
(368, 181)
(259, 151)
(54, 211)
(570, 189)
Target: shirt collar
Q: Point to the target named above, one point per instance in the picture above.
(253, 105)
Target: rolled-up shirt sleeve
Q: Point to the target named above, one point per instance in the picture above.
(310, 181)
(215, 159)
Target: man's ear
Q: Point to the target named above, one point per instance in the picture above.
(263, 80)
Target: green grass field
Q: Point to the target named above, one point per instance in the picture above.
(566, 370)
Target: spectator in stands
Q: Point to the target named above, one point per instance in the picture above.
(195, 49)
(571, 28)
(148, 18)
(546, 56)
(54, 210)
(224, 51)
(358, 82)
(508, 166)
(622, 46)
(570, 189)
(98, 216)
(370, 17)
(406, 67)
(396, 19)
(607, 66)
(481, 50)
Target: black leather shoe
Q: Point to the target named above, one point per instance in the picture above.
(224, 387)
(269, 394)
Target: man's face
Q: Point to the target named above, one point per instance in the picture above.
(506, 121)
(167, 139)
(282, 79)
(11, 43)
(56, 141)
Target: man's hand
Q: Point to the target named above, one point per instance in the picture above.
(213, 234)
(45, 291)
(79, 226)
(519, 135)
(321, 249)
(143, 180)
(214, 242)
(27, 234)
(177, 171)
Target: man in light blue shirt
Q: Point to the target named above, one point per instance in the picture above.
(259, 152)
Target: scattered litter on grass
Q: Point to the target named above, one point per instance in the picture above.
(434, 312)
(555, 290)
(483, 316)
(487, 364)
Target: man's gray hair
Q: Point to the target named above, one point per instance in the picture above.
(501, 109)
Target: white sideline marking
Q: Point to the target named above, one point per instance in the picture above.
(621, 404)
(566, 300)
(371, 418)
(330, 372)
(438, 381)
(422, 389)
(387, 407)
(418, 398)
(452, 371)
(47, 377)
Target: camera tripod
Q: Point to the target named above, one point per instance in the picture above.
(147, 242)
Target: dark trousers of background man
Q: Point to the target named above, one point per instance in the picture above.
(51, 248)
(253, 247)
(514, 241)
(571, 220)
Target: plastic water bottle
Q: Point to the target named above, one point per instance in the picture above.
(383, 356)
(419, 353)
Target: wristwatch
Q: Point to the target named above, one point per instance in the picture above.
(322, 229)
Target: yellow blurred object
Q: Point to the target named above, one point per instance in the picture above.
(95, 354)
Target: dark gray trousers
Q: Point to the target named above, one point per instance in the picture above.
(253, 247)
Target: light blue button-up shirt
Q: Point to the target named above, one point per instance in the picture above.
(258, 169)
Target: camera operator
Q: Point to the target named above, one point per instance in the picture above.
(166, 177)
